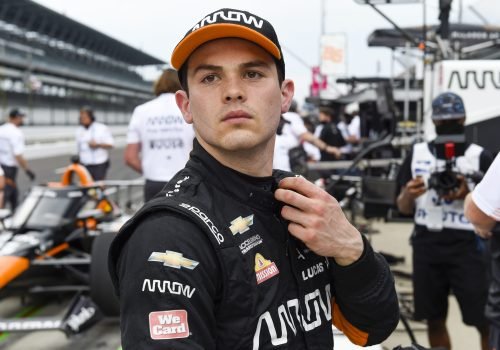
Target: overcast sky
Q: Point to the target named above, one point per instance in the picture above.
(155, 26)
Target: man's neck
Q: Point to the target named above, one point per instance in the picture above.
(257, 162)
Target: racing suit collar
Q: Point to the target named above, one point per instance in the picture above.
(258, 192)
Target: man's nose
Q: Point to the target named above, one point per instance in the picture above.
(234, 90)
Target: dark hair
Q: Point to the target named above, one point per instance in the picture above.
(327, 110)
(89, 111)
(182, 74)
(16, 112)
(168, 82)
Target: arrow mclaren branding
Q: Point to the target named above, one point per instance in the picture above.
(173, 259)
(264, 269)
(315, 311)
(232, 16)
(168, 324)
(241, 225)
(175, 288)
(215, 231)
(76, 321)
(165, 120)
(29, 325)
(312, 271)
(479, 79)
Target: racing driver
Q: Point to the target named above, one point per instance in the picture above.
(231, 255)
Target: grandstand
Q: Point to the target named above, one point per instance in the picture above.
(50, 65)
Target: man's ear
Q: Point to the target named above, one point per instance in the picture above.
(287, 91)
(182, 100)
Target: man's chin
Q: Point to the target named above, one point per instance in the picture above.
(240, 141)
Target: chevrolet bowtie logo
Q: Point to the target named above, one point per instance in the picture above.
(240, 225)
(173, 259)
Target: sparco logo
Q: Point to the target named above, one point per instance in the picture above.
(175, 288)
(168, 324)
(76, 321)
(233, 16)
(475, 78)
(215, 231)
(29, 325)
(317, 311)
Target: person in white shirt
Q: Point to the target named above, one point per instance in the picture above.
(350, 128)
(293, 133)
(482, 209)
(159, 140)
(482, 206)
(11, 155)
(93, 141)
(2, 186)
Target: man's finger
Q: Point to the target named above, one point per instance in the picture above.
(293, 198)
(300, 185)
(298, 231)
(295, 215)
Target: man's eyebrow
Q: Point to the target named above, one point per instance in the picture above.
(210, 67)
(256, 63)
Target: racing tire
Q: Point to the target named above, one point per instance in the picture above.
(102, 291)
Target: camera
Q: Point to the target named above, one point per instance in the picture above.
(447, 147)
(444, 182)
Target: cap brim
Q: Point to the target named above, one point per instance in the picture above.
(217, 31)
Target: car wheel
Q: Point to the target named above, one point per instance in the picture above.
(101, 288)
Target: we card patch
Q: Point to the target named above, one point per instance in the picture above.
(171, 324)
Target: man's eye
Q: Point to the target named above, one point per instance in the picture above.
(209, 78)
(253, 75)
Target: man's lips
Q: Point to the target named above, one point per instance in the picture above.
(236, 115)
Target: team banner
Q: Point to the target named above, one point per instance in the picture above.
(333, 54)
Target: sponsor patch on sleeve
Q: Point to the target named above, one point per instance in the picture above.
(172, 324)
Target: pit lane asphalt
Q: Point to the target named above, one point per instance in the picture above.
(103, 336)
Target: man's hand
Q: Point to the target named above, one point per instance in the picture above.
(486, 234)
(415, 188)
(461, 192)
(406, 199)
(335, 151)
(317, 220)
(30, 174)
(93, 144)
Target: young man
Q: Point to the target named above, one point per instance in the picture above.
(232, 255)
(94, 140)
(330, 134)
(350, 128)
(482, 208)
(158, 139)
(446, 254)
(11, 156)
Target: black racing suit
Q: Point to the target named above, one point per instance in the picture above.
(209, 264)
